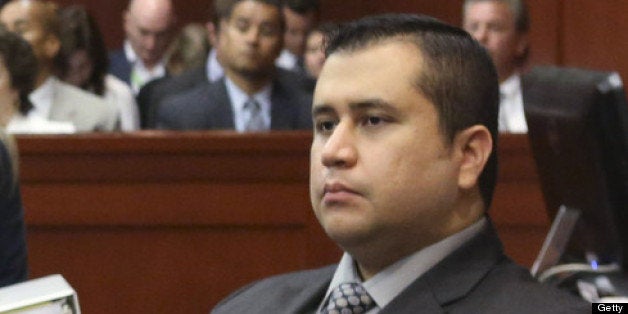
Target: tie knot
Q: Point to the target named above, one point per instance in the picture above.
(349, 298)
(255, 120)
(251, 104)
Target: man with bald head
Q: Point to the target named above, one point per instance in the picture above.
(38, 23)
(149, 27)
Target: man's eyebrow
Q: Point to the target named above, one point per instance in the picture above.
(373, 103)
(366, 104)
(322, 109)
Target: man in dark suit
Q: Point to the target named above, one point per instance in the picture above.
(402, 173)
(151, 94)
(253, 95)
(149, 28)
(13, 261)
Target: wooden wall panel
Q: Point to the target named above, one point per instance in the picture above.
(170, 222)
(595, 35)
(545, 38)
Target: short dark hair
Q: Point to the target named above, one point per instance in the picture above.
(519, 11)
(302, 6)
(222, 10)
(21, 64)
(79, 31)
(458, 77)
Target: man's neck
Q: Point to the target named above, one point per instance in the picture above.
(42, 76)
(250, 84)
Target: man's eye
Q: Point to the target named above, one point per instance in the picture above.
(374, 120)
(242, 26)
(325, 126)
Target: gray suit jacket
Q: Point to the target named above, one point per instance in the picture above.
(86, 111)
(476, 278)
(208, 107)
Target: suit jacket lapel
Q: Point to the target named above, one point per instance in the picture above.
(310, 297)
(453, 278)
(221, 114)
(281, 110)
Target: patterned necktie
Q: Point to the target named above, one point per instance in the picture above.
(255, 121)
(349, 298)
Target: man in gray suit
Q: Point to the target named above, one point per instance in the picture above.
(37, 22)
(402, 173)
(253, 95)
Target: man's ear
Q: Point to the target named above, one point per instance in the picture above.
(522, 45)
(475, 145)
(211, 33)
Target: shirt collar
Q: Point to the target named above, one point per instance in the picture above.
(42, 98)
(238, 98)
(129, 52)
(511, 85)
(390, 282)
(213, 67)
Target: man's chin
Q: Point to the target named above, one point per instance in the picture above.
(347, 236)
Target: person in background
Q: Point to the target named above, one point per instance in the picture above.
(189, 49)
(402, 171)
(300, 17)
(211, 70)
(82, 61)
(502, 27)
(149, 26)
(253, 95)
(38, 23)
(314, 55)
(18, 70)
(13, 254)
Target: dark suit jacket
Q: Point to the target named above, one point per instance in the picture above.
(155, 91)
(13, 263)
(207, 107)
(119, 66)
(476, 278)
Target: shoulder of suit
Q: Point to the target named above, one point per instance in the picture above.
(196, 96)
(75, 94)
(75, 97)
(280, 286)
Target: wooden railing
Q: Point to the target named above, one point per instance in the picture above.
(166, 222)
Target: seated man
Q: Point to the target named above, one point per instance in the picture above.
(149, 28)
(402, 173)
(301, 17)
(502, 26)
(37, 22)
(252, 96)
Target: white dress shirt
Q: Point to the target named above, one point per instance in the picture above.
(140, 75)
(119, 95)
(213, 67)
(287, 60)
(42, 98)
(34, 124)
(390, 282)
(238, 99)
(511, 114)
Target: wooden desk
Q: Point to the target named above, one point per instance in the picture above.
(160, 222)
